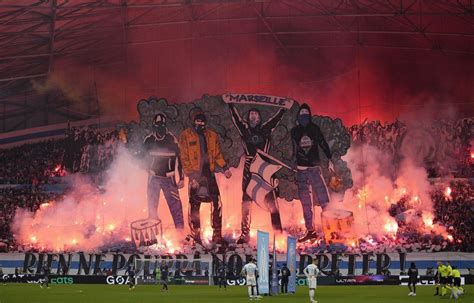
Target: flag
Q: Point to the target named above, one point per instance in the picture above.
(263, 167)
(291, 263)
(257, 189)
(263, 281)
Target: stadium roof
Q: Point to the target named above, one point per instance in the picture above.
(41, 40)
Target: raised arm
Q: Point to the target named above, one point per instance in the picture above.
(275, 119)
(237, 119)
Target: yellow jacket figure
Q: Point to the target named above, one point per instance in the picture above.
(190, 150)
(200, 152)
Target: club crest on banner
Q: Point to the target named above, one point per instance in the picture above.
(146, 232)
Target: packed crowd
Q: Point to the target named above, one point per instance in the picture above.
(12, 198)
(89, 150)
(384, 137)
(32, 163)
(449, 151)
(455, 211)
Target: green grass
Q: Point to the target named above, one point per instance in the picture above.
(29, 293)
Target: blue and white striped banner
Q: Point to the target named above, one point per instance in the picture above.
(264, 168)
(263, 262)
(257, 189)
(291, 263)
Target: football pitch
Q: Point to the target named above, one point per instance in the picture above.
(31, 293)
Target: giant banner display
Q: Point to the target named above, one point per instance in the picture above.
(263, 241)
(347, 264)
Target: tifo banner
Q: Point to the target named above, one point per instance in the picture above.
(346, 264)
(291, 263)
(258, 100)
(263, 241)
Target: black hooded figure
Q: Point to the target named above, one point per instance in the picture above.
(255, 135)
(307, 138)
(162, 153)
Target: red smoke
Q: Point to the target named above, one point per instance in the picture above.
(346, 83)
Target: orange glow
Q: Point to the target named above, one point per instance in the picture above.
(207, 234)
(362, 193)
(44, 205)
(391, 227)
(428, 221)
(370, 241)
(111, 227)
(362, 196)
(450, 238)
(447, 192)
(33, 239)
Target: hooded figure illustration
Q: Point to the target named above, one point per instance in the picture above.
(201, 153)
(307, 138)
(162, 153)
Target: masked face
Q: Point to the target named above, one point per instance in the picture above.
(159, 125)
(199, 125)
(160, 129)
(304, 111)
(304, 118)
(254, 119)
